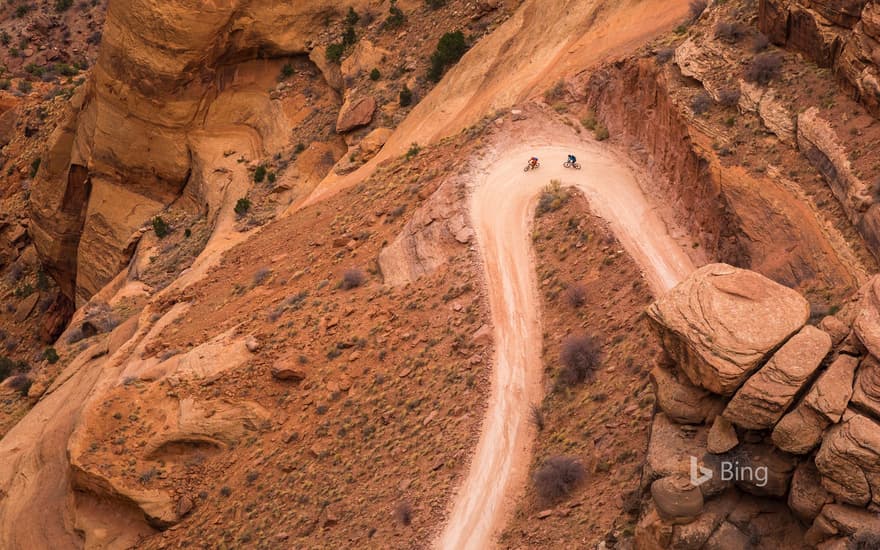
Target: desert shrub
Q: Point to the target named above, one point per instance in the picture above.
(730, 31)
(160, 227)
(286, 72)
(555, 93)
(7, 367)
(580, 357)
(349, 37)
(334, 52)
(536, 417)
(406, 96)
(35, 166)
(764, 68)
(576, 295)
(696, 8)
(601, 133)
(375, 75)
(760, 43)
(450, 48)
(24, 86)
(271, 177)
(63, 5)
(50, 355)
(729, 97)
(4, 84)
(242, 206)
(352, 278)
(701, 103)
(22, 10)
(395, 19)
(260, 173)
(435, 4)
(352, 18)
(553, 196)
(663, 56)
(261, 276)
(21, 383)
(589, 122)
(403, 513)
(413, 150)
(558, 476)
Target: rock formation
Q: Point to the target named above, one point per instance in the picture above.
(803, 412)
(167, 74)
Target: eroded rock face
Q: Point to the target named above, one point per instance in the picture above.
(765, 397)
(721, 323)
(849, 461)
(130, 144)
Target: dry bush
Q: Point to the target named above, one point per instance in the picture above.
(729, 97)
(261, 276)
(576, 295)
(352, 278)
(760, 43)
(663, 56)
(764, 68)
(730, 31)
(558, 476)
(21, 383)
(697, 7)
(536, 417)
(580, 357)
(701, 103)
(403, 513)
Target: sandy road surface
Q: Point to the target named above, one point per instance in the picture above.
(501, 208)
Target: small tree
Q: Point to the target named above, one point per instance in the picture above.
(764, 68)
(450, 48)
(259, 173)
(375, 75)
(352, 278)
(406, 96)
(242, 206)
(160, 228)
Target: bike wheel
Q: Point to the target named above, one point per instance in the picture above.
(566, 164)
(577, 166)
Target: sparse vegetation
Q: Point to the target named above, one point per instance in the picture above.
(701, 103)
(395, 19)
(160, 227)
(35, 166)
(764, 68)
(375, 75)
(260, 173)
(580, 357)
(406, 96)
(696, 8)
(663, 56)
(729, 97)
(449, 50)
(334, 52)
(558, 476)
(50, 355)
(760, 43)
(435, 4)
(24, 86)
(63, 5)
(414, 150)
(21, 383)
(576, 295)
(536, 417)
(352, 278)
(553, 196)
(242, 206)
(261, 276)
(403, 513)
(601, 132)
(286, 72)
(730, 31)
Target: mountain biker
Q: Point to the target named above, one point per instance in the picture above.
(533, 162)
(572, 159)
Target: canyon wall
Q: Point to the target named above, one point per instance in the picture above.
(166, 72)
(844, 36)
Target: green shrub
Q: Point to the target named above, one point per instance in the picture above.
(4, 84)
(396, 18)
(552, 197)
(349, 37)
(601, 133)
(160, 227)
(435, 4)
(286, 71)
(242, 207)
(414, 150)
(406, 96)
(51, 355)
(35, 166)
(450, 48)
(24, 86)
(352, 18)
(271, 177)
(22, 10)
(375, 75)
(260, 173)
(63, 5)
(335, 52)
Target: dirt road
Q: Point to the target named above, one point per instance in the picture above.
(501, 208)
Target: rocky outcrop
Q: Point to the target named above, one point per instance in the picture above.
(721, 324)
(844, 36)
(794, 430)
(765, 397)
(131, 144)
(355, 112)
(682, 401)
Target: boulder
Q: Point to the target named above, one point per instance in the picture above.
(722, 322)
(763, 469)
(728, 537)
(682, 401)
(373, 142)
(842, 520)
(676, 499)
(288, 371)
(824, 404)
(807, 496)
(355, 113)
(671, 447)
(722, 436)
(765, 397)
(836, 329)
(866, 390)
(867, 322)
(26, 307)
(693, 536)
(849, 461)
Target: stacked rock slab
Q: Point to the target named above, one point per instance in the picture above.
(722, 323)
(800, 401)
